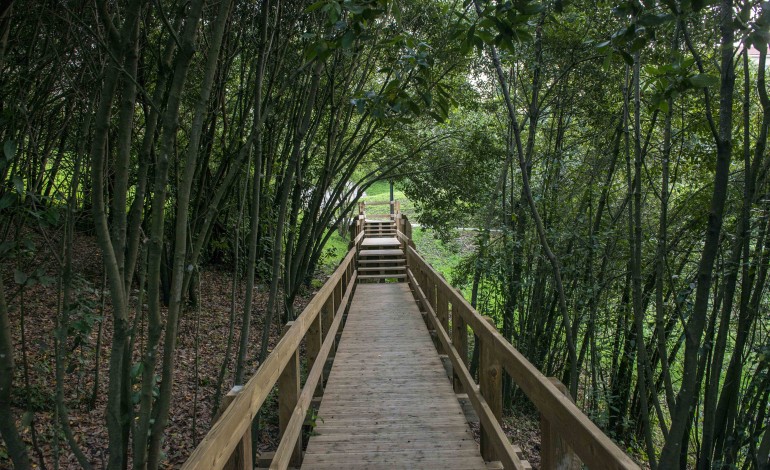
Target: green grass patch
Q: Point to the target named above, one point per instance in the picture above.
(380, 192)
(444, 257)
(334, 251)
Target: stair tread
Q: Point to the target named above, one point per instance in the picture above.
(382, 268)
(381, 253)
(381, 276)
(389, 261)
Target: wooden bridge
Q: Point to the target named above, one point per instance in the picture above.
(396, 335)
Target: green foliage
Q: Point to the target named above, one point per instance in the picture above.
(333, 252)
(669, 80)
(501, 24)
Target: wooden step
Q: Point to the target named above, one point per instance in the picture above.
(380, 253)
(381, 268)
(380, 241)
(388, 261)
(371, 277)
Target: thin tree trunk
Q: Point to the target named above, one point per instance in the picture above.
(688, 390)
(63, 322)
(179, 271)
(256, 186)
(635, 221)
(17, 450)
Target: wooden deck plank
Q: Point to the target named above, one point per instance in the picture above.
(388, 402)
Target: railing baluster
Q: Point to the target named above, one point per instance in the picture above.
(491, 387)
(327, 317)
(555, 453)
(440, 309)
(313, 346)
(459, 341)
(339, 291)
(240, 459)
(288, 396)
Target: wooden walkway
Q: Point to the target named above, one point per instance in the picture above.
(388, 403)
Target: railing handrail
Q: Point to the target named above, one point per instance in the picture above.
(214, 451)
(593, 447)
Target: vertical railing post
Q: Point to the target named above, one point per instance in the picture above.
(491, 387)
(338, 290)
(328, 316)
(459, 341)
(288, 396)
(313, 346)
(240, 459)
(431, 286)
(442, 308)
(555, 453)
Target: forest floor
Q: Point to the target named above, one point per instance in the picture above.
(200, 352)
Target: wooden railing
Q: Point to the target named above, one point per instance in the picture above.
(394, 205)
(567, 435)
(228, 443)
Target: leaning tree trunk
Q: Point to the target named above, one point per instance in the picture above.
(552, 258)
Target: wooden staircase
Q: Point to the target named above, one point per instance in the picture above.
(381, 258)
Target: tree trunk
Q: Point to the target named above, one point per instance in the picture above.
(688, 390)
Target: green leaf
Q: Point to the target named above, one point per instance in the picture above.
(347, 39)
(136, 369)
(18, 184)
(26, 419)
(703, 80)
(626, 57)
(7, 201)
(9, 149)
(6, 247)
(315, 6)
(654, 20)
(20, 277)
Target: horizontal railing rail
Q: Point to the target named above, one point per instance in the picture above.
(395, 208)
(228, 441)
(566, 432)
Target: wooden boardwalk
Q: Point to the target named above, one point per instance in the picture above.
(388, 403)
